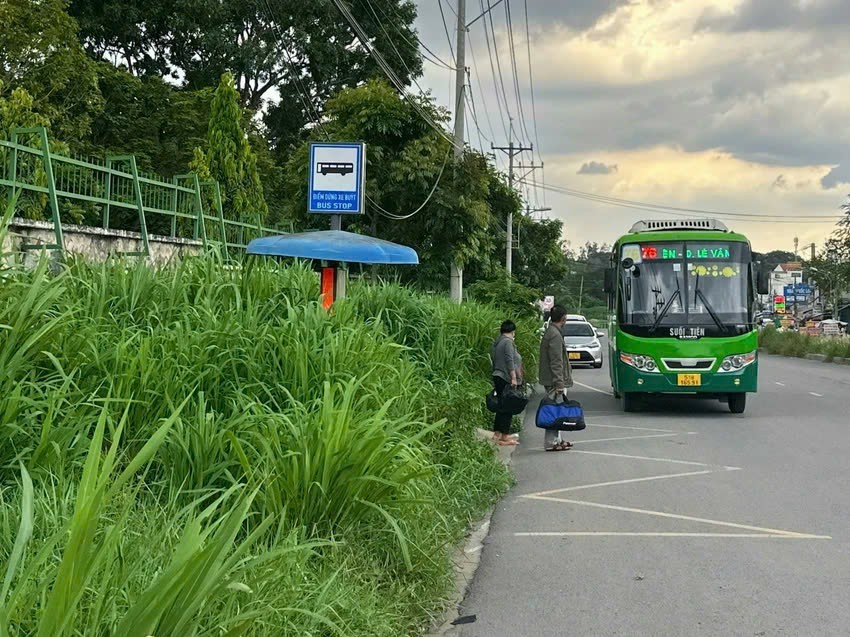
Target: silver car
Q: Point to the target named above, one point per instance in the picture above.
(582, 342)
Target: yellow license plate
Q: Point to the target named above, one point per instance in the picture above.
(574, 356)
(690, 380)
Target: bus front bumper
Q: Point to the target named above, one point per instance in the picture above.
(633, 380)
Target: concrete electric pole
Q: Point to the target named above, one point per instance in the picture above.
(456, 277)
(512, 151)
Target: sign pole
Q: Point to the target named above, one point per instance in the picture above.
(336, 186)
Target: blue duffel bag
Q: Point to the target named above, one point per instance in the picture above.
(566, 416)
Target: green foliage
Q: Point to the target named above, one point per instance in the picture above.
(515, 299)
(539, 261)
(229, 159)
(798, 344)
(258, 43)
(40, 52)
(215, 453)
(148, 118)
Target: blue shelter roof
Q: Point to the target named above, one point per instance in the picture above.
(334, 245)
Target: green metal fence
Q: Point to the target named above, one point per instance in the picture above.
(116, 195)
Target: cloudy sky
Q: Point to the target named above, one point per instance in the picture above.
(728, 105)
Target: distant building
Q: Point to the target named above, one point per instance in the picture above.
(785, 274)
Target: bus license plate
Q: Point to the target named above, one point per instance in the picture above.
(574, 356)
(690, 380)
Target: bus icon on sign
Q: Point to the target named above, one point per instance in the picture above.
(334, 168)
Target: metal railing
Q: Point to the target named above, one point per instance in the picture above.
(116, 195)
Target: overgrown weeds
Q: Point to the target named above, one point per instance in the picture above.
(204, 450)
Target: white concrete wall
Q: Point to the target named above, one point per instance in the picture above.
(94, 244)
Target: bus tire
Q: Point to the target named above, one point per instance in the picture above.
(737, 402)
(629, 401)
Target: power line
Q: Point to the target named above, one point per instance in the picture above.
(489, 20)
(398, 217)
(446, 29)
(678, 211)
(515, 70)
(361, 34)
(304, 95)
(471, 100)
(481, 89)
(531, 84)
(417, 43)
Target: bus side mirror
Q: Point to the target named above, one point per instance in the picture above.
(608, 283)
(762, 286)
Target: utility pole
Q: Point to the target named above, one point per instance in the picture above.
(512, 151)
(580, 292)
(456, 276)
(456, 284)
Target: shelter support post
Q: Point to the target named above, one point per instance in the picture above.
(456, 283)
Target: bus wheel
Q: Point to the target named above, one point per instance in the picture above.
(629, 401)
(737, 403)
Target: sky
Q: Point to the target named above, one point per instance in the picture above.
(739, 106)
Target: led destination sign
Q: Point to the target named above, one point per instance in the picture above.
(693, 252)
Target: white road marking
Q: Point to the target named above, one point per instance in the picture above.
(687, 518)
(630, 457)
(601, 391)
(583, 442)
(665, 431)
(780, 384)
(616, 482)
(771, 536)
(816, 395)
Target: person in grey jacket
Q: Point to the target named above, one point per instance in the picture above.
(506, 371)
(555, 372)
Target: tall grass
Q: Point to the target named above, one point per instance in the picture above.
(206, 451)
(798, 344)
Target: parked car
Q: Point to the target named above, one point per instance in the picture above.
(582, 343)
(576, 317)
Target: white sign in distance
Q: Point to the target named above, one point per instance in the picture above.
(336, 178)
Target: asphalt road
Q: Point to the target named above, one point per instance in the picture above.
(680, 520)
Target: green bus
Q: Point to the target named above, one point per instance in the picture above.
(682, 298)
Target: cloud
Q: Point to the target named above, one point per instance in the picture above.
(837, 175)
(737, 92)
(596, 168)
(774, 15)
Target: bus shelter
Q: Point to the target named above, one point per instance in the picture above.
(332, 248)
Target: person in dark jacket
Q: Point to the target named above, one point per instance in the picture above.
(506, 372)
(555, 371)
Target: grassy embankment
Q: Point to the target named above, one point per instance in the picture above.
(204, 451)
(799, 344)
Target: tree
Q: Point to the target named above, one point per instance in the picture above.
(40, 53)
(539, 261)
(229, 159)
(150, 119)
(417, 194)
(304, 51)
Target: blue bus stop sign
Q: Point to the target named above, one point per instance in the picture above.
(336, 178)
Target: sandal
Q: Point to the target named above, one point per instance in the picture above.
(561, 445)
(508, 443)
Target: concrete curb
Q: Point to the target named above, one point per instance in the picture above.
(468, 556)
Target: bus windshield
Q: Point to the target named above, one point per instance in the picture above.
(686, 288)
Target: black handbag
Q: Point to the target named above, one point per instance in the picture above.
(514, 401)
(491, 401)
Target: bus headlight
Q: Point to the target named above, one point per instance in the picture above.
(640, 362)
(736, 362)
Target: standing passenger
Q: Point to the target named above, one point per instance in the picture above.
(555, 372)
(506, 372)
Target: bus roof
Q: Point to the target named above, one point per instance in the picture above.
(681, 230)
